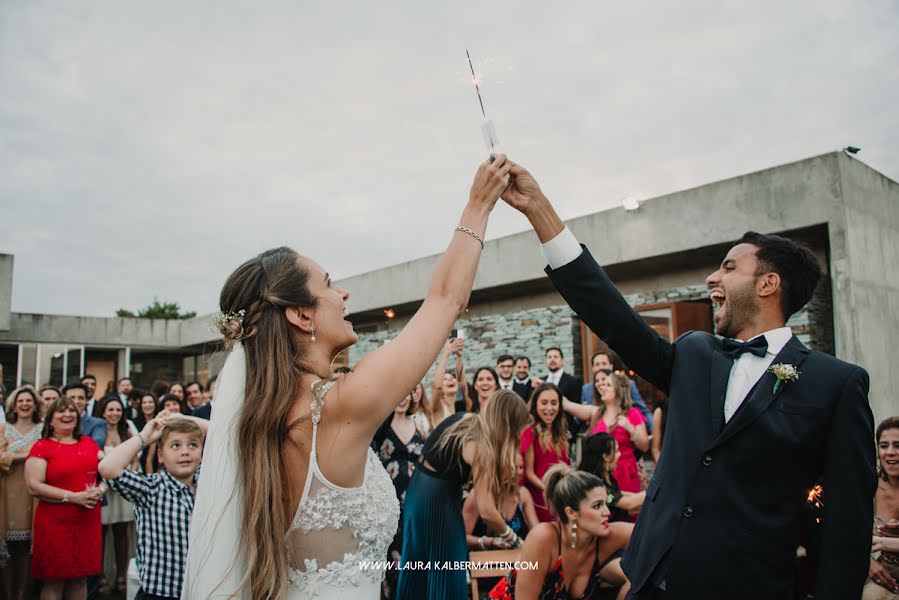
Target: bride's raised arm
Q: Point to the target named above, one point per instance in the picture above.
(384, 377)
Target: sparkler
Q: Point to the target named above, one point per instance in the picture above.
(816, 500)
(488, 130)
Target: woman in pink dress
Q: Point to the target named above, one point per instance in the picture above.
(616, 415)
(544, 443)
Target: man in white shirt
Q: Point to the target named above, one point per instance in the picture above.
(555, 364)
(754, 421)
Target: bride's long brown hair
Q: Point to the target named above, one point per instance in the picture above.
(263, 287)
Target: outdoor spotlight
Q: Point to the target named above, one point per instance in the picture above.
(630, 203)
(389, 313)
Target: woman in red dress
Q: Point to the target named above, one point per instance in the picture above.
(544, 443)
(617, 415)
(61, 472)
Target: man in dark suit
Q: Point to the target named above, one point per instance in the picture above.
(205, 410)
(569, 385)
(521, 385)
(754, 420)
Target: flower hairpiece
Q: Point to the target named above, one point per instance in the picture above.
(221, 319)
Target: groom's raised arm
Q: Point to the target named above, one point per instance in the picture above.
(587, 288)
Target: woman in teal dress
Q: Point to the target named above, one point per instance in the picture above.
(481, 447)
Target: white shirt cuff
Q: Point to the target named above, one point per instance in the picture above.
(561, 250)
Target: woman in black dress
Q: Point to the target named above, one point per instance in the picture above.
(399, 451)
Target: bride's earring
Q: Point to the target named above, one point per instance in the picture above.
(573, 533)
(312, 331)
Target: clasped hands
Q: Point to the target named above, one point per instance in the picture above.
(503, 178)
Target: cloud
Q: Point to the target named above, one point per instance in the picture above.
(146, 150)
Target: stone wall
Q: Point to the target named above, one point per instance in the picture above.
(520, 333)
(529, 332)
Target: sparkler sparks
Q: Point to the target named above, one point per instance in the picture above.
(816, 499)
(814, 496)
(476, 80)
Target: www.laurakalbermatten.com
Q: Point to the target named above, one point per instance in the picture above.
(446, 565)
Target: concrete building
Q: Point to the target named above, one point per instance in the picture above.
(658, 255)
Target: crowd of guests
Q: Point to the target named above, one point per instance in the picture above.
(58, 499)
(572, 520)
(502, 440)
(76, 470)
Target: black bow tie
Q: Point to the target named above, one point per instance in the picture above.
(734, 348)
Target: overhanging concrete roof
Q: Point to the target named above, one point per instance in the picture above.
(783, 198)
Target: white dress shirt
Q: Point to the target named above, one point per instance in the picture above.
(554, 377)
(561, 250)
(749, 368)
(505, 385)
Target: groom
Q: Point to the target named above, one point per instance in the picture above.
(742, 445)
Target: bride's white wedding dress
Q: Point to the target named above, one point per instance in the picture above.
(336, 538)
(339, 535)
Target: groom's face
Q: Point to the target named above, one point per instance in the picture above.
(732, 290)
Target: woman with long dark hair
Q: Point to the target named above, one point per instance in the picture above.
(544, 443)
(600, 456)
(148, 409)
(297, 500)
(118, 514)
(399, 451)
(483, 384)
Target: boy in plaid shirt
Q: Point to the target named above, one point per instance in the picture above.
(163, 502)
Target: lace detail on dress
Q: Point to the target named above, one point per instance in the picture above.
(17, 441)
(335, 528)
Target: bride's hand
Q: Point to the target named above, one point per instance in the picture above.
(490, 182)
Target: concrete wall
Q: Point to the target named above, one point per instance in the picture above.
(100, 331)
(865, 255)
(6, 263)
(783, 198)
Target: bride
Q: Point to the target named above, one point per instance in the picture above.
(291, 501)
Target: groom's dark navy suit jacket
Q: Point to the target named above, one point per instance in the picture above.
(722, 512)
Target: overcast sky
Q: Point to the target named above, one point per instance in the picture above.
(147, 148)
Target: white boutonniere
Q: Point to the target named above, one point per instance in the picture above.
(783, 372)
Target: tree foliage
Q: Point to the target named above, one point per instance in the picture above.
(158, 310)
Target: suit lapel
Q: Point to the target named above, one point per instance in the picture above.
(720, 373)
(762, 395)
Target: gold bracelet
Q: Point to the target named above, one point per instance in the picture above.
(464, 229)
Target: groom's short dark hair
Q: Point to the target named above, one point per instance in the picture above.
(797, 266)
